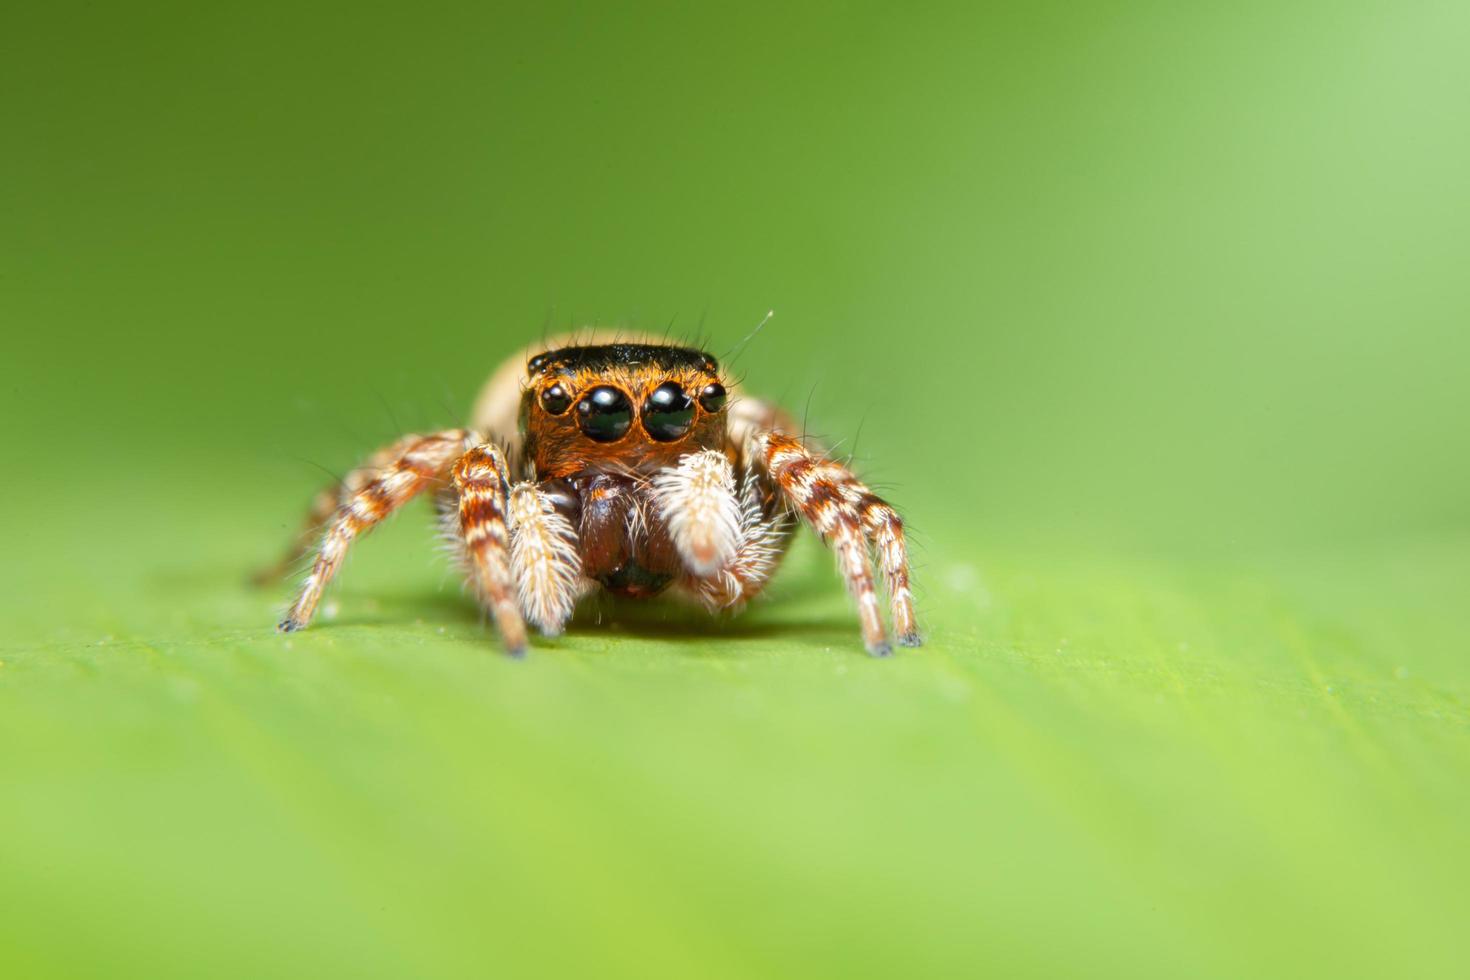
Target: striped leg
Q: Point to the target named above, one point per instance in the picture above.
(848, 516)
(480, 483)
(325, 504)
(418, 462)
(885, 529)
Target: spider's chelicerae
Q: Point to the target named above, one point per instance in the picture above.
(622, 466)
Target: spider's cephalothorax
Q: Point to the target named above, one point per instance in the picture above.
(626, 407)
(623, 466)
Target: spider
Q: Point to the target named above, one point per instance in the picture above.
(621, 466)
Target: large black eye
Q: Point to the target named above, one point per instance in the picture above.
(604, 414)
(668, 413)
(555, 399)
(712, 398)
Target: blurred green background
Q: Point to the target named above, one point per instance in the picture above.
(1151, 317)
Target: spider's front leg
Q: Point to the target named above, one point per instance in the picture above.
(401, 473)
(516, 543)
(481, 488)
(848, 517)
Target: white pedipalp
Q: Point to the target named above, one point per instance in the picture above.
(763, 540)
(696, 502)
(545, 565)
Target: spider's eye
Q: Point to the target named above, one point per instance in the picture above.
(668, 413)
(555, 399)
(712, 398)
(605, 414)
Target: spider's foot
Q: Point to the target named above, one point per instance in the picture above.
(289, 625)
(911, 639)
(880, 649)
(516, 652)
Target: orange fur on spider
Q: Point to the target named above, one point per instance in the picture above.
(556, 443)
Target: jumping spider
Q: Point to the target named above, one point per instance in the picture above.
(624, 466)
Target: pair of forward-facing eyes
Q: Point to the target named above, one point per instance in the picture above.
(605, 413)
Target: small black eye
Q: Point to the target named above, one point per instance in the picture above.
(712, 398)
(605, 414)
(555, 399)
(538, 362)
(668, 413)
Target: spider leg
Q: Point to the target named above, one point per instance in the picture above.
(480, 484)
(885, 529)
(544, 561)
(325, 504)
(407, 468)
(847, 516)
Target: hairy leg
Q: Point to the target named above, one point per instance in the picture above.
(480, 484)
(417, 463)
(326, 503)
(847, 515)
(885, 529)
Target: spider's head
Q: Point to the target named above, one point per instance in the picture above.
(620, 406)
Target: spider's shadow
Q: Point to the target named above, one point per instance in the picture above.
(776, 614)
(661, 619)
(673, 620)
